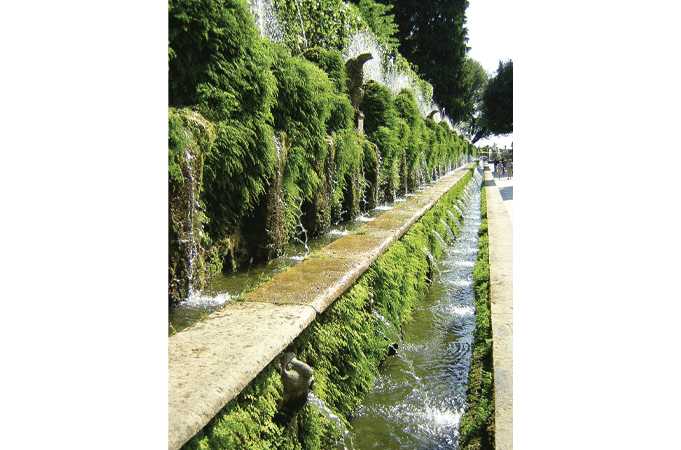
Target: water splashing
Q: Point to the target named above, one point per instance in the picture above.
(381, 318)
(345, 442)
(383, 69)
(266, 20)
(419, 395)
(439, 238)
(302, 25)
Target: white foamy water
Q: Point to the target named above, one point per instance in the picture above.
(463, 310)
(440, 417)
(204, 299)
(384, 208)
(465, 263)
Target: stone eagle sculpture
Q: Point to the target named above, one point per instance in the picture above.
(354, 72)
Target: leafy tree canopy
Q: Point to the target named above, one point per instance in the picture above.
(476, 80)
(381, 23)
(432, 36)
(497, 101)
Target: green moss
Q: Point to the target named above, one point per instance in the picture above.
(247, 421)
(177, 143)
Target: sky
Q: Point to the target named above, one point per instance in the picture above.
(490, 38)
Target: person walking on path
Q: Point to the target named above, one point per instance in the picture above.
(509, 169)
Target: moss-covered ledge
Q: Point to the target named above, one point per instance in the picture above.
(213, 361)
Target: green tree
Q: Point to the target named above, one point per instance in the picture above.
(432, 36)
(380, 22)
(476, 79)
(497, 101)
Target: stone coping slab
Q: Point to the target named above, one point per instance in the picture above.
(210, 362)
(500, 231)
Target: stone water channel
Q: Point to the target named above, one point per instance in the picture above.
(426, 415)
(419, 394)
(224, 288)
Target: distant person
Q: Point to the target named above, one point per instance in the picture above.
(503, 164)
(509, 169)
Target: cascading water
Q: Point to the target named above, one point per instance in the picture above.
(266, 20)
(419, 394)
(302, 25)
(303, 231)
(384, 70)
(222, 289)
(345, 443)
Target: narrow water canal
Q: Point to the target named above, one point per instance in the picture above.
(224, 288)
(419, 394)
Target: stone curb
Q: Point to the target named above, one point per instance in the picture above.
(500, 231)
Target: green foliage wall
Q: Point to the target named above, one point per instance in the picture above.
(381, 127)
(251, 89)
(301, 111)
(344, 346)
(177, 143)
(325, 23)
(222, 67)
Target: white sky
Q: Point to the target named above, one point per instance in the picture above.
(490, 36)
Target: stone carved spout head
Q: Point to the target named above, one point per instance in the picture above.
(355, 77)
(297, 378)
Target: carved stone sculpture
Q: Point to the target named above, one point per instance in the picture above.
(354, 72)
(297, 378)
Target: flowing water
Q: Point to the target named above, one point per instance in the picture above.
(224, 288)
(345, 442)
(419, 394)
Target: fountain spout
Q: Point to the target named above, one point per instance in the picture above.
(297, 378)
(354, 73)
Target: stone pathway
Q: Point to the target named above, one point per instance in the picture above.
(500, 229)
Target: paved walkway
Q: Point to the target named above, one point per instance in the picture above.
(500, 229)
